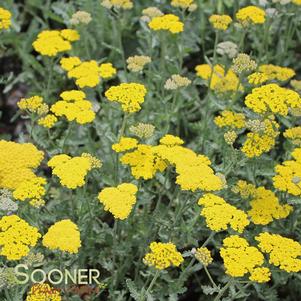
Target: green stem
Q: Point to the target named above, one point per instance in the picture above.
(143, 296)
(223, 290)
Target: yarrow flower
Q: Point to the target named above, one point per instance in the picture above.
(219, 214)
(129, 95)
(184, 4)
(177, 81)
(163, 256)
(119, 200)
(243, 63)
(250, 15)
(136, 63)
(276, 72)
(220, 80)
(283, 252)
(80, 17)
(227, 48)
(34, 104)
(125, 144)
(16, 237)
(88, 73)
(52, 42)
(151, 12)
(167, 22)
(64, 236)
(71, 171)
(203, 255)
(6, 202)
(257, 78)
(43, 292)
(230, 119)
(5, 18)
(288, 174)
(171, 140)
(48, 121)
(293, 134)
(230, 137)
(74, 107)
(220, 22)
(142, 130)
(124, 4)
(240, 259)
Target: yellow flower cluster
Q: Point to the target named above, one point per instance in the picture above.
(288, 174)
(177, 81)
(171, 140)
(293, 134)
(16, 237)
(219, 214)
(5, 18)
(265, 206)
(17, 162)
(184, 4)
(297, 2)
(125, 4)
(284, 252)
(43, 292)
(64, 236)
(240, 259)
(251, 14)
(203, 255)
(272, 98)
(71, 171)
(243, 63)
(129, 95)
(276, 72)
(52, 42)
(48, 121)
(163, 255)
(136, 63)
(119, 200)
(230, 119)
(34, 104)
(257, 78)
(87, 74)
(167, 22)
(220, 22)
(74, 107)
(220, 80)
(259, 142)
(125, 144)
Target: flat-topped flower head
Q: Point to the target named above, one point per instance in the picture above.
(48, 121)
(74, 107)
(257, 78)
(274, 72)
(129, 95)
(5, 18)
(163, 256)
(230, 119)
(119, 200)
(43, 292)
(64, 236)
(52, 42)
(184, 4)
(220, 22)
(167, 22)
(16, 237)
(136, 63)
(107, 70)
(171, 140)
(34, 104)
(124, 4)
(251, 15)
(125, 144)
(177, 81)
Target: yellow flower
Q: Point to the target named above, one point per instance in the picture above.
(243, 63)
(297, 2)
(74, 107)
(16, 237)
(107, 70)
(220, 22)
(276, 72)
(257, 78)
(203, 255)
(221, 81)
(5, 18)
(219, 214)
(64, 236)
(272, 98)
(230, 119)
(240, 259)
(293, 134)
(129, 95)
(163, 255)
(119, 200)
(251, 14)
(288, 174)
(52, 42)
(34, 104)
(151, 12)
(71, 171)
(171, 140)
(230, 137)
(284, 252)
(167, 22)
(125, 144)
(43, 292)
(185, 4)
(48, 121)
(95, 162)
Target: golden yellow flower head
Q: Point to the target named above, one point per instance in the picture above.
(171, 140)
(5, 18)
(64, 236)
(34, 104)
(119, 200)
(220, 22)
(230, 119)
(125, 144)
(251, 15)
(48, 121)
(43, 292)
(167, 22)
(129, 95)
(257, 78)
(52, 42)
(107, 70)
(16, 237)
(274, 72)
(203, 255)
(163, 256)
(297, 2)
